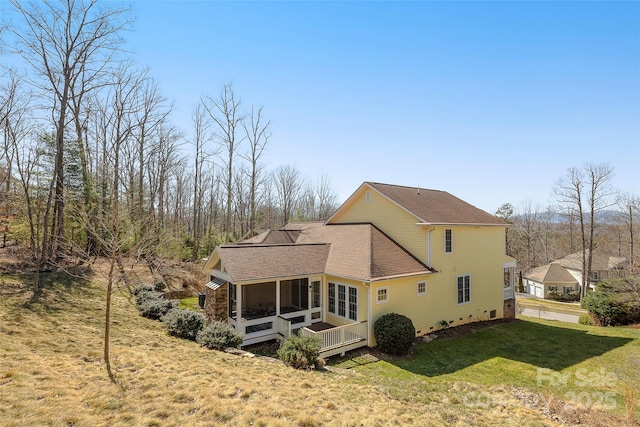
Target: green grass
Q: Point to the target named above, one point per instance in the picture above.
(566, 361)
(190, 303)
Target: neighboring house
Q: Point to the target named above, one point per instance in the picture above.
(543, 281)
(602, 266)
(569, 271)
(422, 253)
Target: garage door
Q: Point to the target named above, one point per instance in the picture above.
(539, 291)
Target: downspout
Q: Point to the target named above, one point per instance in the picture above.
(429, 230)
(369, 317)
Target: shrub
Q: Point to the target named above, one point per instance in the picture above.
(183, 323)
(606, 309)
(585, 319)
(159, 287)
(394, 333)
(156, 308)
(142, 289)
(300, 351)
(219, 335)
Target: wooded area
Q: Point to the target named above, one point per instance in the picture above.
(91, 163)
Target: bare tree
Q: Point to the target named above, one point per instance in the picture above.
(257, 134)
(288, 184)
(629, 206)
(226, 116)
(584, 193)
(526, 229)
(327, 198)
(201, 137)
(65, 42)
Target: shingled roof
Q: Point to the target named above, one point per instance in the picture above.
(435, 206)
(550, 273)
(357, 251)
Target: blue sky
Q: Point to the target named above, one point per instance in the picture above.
(490, 101)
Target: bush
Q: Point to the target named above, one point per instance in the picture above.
(142, 289)
(606, 309)
(394, 333)
(183, 323)
(159, 287)
(219, 335)
(156, 308)
(300, 351)
(585, 319)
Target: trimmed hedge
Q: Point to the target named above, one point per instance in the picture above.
(300, 351)
(183, 323)
(219, 335)
(394, 333)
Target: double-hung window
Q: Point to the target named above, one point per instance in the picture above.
(448, 241)
(464, 289)
(343, 301)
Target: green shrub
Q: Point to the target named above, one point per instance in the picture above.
(142, 289)
(585, 319)
(394, 333)
(183, 323)
(605, 309)
(219, 335)
(159, 287)
(156, 308)
(300, 351)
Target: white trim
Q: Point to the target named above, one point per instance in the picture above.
(457, 277)
(346, 300)
(386, 295)
(418, 293)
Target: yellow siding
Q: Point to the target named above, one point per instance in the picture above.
(440, 302)
(396, 222)
(363, 305)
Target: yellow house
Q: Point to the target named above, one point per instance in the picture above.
(422, 253)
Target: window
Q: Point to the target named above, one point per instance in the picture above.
(332, 297)
(421, 288)
(382, 295)
(448, 241)
(464, 289)
(346, 298)
(367, 197)
(567, 289)
(315, 292)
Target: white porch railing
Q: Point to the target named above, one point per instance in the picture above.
(341, 338)
(283, 326)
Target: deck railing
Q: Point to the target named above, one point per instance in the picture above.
(283, 326)
(336, 340)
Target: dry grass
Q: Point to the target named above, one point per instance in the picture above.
(52, 373)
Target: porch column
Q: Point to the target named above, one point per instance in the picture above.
(277, 297)
(239, 306)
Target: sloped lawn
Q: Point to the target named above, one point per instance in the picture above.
(591, 367)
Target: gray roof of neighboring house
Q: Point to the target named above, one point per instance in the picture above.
(550, 273)
(599, 262)
(357, 251)
(435, 206)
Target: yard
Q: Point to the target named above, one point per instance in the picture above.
(52, 373)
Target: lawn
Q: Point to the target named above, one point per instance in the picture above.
(52, 372)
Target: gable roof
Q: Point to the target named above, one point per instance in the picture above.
(356, 251)
(550, 273)
(432, 206)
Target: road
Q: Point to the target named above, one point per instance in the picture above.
(546, 314)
